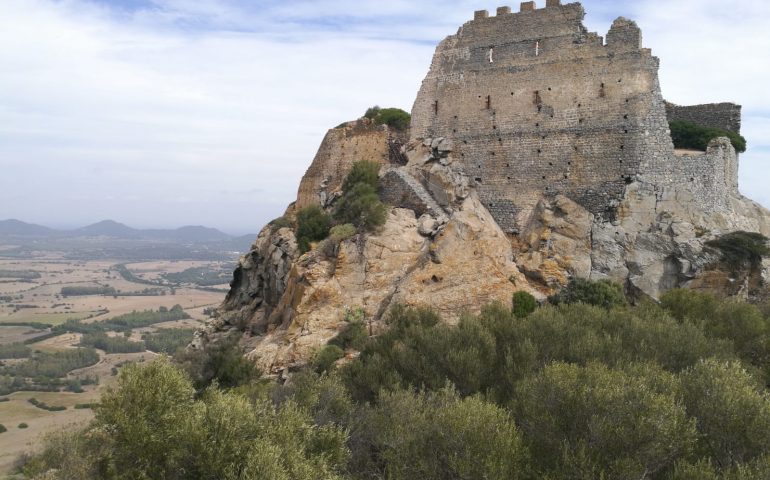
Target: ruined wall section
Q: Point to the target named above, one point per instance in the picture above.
(725, 116)
(712, 177)
(535, 104)
(341, 147)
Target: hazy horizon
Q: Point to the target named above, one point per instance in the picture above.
(166, 113)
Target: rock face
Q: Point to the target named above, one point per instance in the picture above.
(537, 154)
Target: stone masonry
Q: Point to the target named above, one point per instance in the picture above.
(535, 105)
(726, 116)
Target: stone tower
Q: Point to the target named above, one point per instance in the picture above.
(535, 105)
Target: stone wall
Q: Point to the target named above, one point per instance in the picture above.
(711, 177)
(726, 116)
(341, 147)
(537, 105)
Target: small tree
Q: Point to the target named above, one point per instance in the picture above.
(523, 304)
(602, 293)
(313, 224)
(360, 205)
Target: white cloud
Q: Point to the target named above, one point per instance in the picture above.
(124, 113)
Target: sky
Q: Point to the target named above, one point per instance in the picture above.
(163, 113)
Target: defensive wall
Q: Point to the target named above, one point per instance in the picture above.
(725, 116)
(535, 105)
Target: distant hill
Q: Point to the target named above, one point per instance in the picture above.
(17, 227)
(107, 228)
(191, 234)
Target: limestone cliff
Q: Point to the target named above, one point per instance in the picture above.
(537, 154)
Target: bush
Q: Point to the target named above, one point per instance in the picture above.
(733, 414)
(393, 117)
(23, 425)
(361, 206)
(313, 224)
(362, 172)
(279, 223)
(739, 248)
(602, 293)
(222, 363)
(2, 428)
(690, 135)
(523, 304)
(593, 422)
(325, 358)
(438, 436)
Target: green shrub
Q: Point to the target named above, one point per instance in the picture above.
(362, 172)
(325, 358)
(337, 234)
(438, 436)
(279, 223)
(313, 224)
(602, 293)
(523, 304)
(353, 335)
(2, 428)
(361, 206)
(733, 414)
(739, 248)
(603, 423)
(221, 362)
(693, 136)
(84, 406)
(23, 425)
(393, 117)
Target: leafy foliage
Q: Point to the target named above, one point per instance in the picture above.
(603, 293)
(151, 426)
(313, 225)
(739, 248)
(221, 363)
(109, 344)
(168, 340)
(392, 117)
(523, 304)
(690, 135)
(360, 204)
(324, 359)
(674, 391)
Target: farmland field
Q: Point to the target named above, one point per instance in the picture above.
(42, 295)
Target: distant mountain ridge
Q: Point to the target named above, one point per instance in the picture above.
(111, 228)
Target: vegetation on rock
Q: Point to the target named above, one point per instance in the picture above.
(393, 117)
(313, 225)
(360, 204)
(602, 293)
(741, 248)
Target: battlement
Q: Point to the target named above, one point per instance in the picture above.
(524, 7)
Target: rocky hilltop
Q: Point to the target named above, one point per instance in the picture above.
(538, 152)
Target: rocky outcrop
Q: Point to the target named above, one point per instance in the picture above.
(397, 264)
(520, 174)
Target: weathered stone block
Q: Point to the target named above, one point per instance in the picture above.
(527, 6)
(552, 3)
(480, 14)
(503, 11)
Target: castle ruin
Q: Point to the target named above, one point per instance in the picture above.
(534, 105)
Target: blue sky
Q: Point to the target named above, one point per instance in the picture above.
(170, 112)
